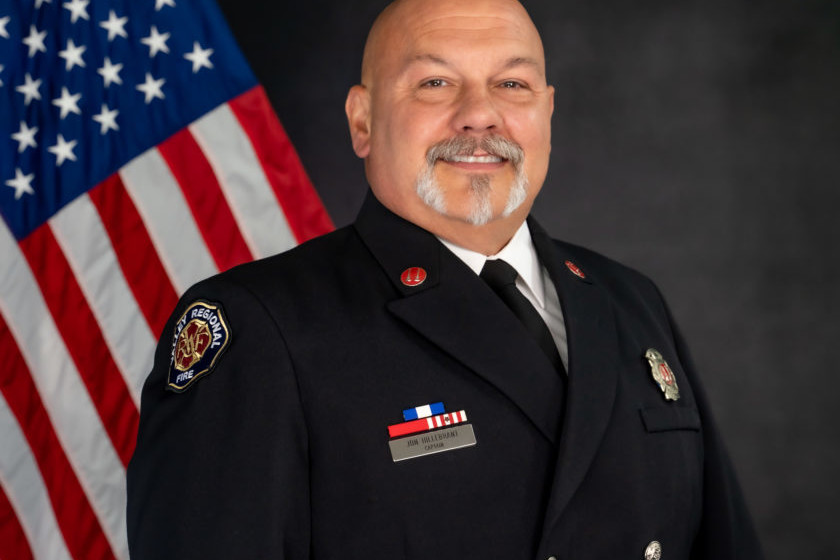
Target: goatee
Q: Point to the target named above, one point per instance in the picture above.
(481, 209)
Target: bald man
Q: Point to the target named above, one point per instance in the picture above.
(440, 379)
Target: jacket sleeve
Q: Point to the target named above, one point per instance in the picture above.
(221, 469)
(726, 529)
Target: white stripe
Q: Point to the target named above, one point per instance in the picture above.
(21, 481)
(423, 411)
(168, 219)
(438, 423)
(82, 236)
(251, 199)
(68, 404)
(463, 415)
(430, 422)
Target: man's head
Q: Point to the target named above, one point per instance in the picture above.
(453, 116)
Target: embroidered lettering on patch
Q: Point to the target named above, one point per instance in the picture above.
(201, 336)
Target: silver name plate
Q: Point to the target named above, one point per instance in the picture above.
(429, 443)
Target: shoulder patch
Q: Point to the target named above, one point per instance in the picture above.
(201, 337)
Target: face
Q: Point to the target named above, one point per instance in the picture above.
(453, 116)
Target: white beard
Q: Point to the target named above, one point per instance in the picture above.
(481, 209)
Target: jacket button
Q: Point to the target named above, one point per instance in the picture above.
(653, 551)
(552, 558)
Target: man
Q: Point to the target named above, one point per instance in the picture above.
(272, 424)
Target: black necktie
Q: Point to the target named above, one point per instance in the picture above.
(501, 277)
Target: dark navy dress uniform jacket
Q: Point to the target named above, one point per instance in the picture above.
(281, 451)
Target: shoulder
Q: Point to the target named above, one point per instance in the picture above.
(242, 311)
(605, 270)
(300, 289)
(298, 267)
(632, 293)
(594, 267)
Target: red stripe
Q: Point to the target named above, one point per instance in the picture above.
(138, 258)
(410, 427)
(83, 338)
(78, 523)
(206, 200)
(13, 542)
(303, 208)
(421, 425)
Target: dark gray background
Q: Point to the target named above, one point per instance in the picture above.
(696, 141)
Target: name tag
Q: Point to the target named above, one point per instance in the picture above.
(429, 443)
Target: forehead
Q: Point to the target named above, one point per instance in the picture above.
(443, 29)
(437, 20)
(471, 29)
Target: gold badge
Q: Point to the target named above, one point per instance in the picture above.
(662, 374)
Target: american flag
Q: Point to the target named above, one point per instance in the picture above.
(138, 154)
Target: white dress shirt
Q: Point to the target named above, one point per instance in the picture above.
(532, 280)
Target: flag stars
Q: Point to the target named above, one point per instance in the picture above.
(159, 4)
(199, 57)
(78, 9)
(35, 41)
(21, 183)
(63, 150)
(156, 42)
(115, 26)
(4, 21)
(151, 88)
(29, 89)
(107, 119)
(1, 70)
(72, 55)
(25, 137)
(110, 72)
(68, 103)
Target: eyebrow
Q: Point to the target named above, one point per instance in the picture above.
(521, 61)
(428, 57)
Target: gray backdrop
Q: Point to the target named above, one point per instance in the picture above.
(696, 141)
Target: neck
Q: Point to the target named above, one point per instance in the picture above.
(487, 239)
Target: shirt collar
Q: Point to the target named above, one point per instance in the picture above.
(518, 253)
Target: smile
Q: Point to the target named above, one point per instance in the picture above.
(475, 159)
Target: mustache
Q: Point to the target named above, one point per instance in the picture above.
(493, 144)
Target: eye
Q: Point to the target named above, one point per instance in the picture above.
(434, 83)
(512, 84)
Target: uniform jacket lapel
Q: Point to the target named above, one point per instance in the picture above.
(459, 313)
(593, 373)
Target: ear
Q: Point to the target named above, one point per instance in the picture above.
(357, 108)
(551, 98)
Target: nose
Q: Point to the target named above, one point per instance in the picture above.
(476, 112)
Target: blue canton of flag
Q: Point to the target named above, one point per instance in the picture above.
(86, 87)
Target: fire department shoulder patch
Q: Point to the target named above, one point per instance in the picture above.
(201, 336)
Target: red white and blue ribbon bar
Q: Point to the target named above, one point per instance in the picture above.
(423, 411)
(430, 423)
